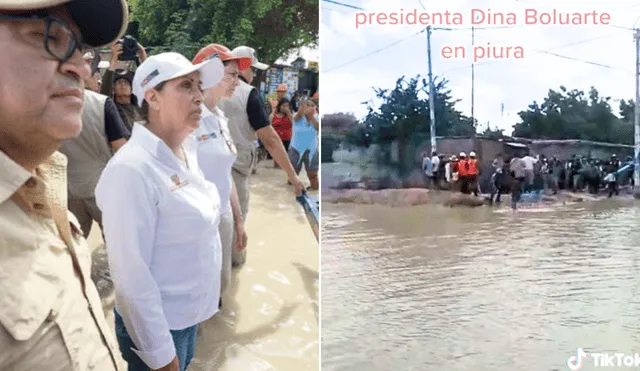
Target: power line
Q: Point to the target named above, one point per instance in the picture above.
(343, 4)
(402, 40)
(375, 51)
(336, 10)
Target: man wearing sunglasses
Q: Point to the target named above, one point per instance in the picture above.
(50, 312)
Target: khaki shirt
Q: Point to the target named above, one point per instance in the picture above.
(51, 317)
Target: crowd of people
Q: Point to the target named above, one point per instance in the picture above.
(160, 158)
(519, 175)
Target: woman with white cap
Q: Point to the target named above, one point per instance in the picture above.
(161, 219)
(217, 152)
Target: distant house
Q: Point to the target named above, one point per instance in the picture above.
(299, 76)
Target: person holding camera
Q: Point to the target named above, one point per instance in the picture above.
(116, 83)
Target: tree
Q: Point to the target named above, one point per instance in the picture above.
(336, 129)
(338, 122)
(627, 110)
(403, 113)
(275, 28)
(572, 114)
(493, 133)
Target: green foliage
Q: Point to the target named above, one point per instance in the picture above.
(403, 112)
(493, 133)
(572, 114)
(275, 28)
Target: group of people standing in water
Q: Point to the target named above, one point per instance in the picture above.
(518, 175)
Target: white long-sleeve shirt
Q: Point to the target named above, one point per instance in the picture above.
(216, 153)
(160, 222)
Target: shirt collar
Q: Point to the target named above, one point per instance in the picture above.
(15, 176)
(155, 146)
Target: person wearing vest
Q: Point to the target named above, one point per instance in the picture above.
(51, 316)
(474, 173)
(217, 153)
(247, 122)
(463, 172)
(103, 133)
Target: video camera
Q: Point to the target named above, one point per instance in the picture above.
(129, 48)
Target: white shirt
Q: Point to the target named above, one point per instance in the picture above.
(216, 153)
(435, 162)
(529, 162)
(161, 229)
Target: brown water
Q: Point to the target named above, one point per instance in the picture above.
(270, 315)
(431, 288)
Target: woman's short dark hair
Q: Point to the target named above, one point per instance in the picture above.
(145, 106)
(280, 103)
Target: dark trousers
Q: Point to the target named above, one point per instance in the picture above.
(612, 187)
(464, 184)
(497, 188)
(473, 185)
(184, 340)
(516, 191)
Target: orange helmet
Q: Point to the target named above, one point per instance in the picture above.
(282, 87)
(224, 53)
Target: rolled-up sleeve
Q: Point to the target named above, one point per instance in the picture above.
(129, 213)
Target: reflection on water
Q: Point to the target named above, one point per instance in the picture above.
(270, 315)
(431, 288)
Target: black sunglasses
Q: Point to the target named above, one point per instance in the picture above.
(59, 40)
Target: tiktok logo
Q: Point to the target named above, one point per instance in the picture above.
(575, 362)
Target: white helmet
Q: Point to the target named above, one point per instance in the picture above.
(472, 154)
(462, 154)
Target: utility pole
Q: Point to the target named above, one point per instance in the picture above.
(432, 95)
(473, 79)
(636, 171)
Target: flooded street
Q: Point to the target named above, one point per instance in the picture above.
(432, 288)
(269, 319)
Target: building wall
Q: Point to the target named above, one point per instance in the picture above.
(485, 149)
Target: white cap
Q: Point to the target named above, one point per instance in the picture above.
(247, 52)
(472, 154)
(462, 154)
(168, 66)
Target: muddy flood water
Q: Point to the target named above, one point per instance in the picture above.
(269, 320)
(433, 288)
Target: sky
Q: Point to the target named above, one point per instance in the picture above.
(602, 56)
(309, 53)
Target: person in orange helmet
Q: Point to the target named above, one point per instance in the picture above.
(217, 153)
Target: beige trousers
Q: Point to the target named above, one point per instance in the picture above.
(242, 186)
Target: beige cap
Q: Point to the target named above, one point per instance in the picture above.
(101, 22)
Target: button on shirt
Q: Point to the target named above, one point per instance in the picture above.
(161, 228)
(50, 312)
(216, 154)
